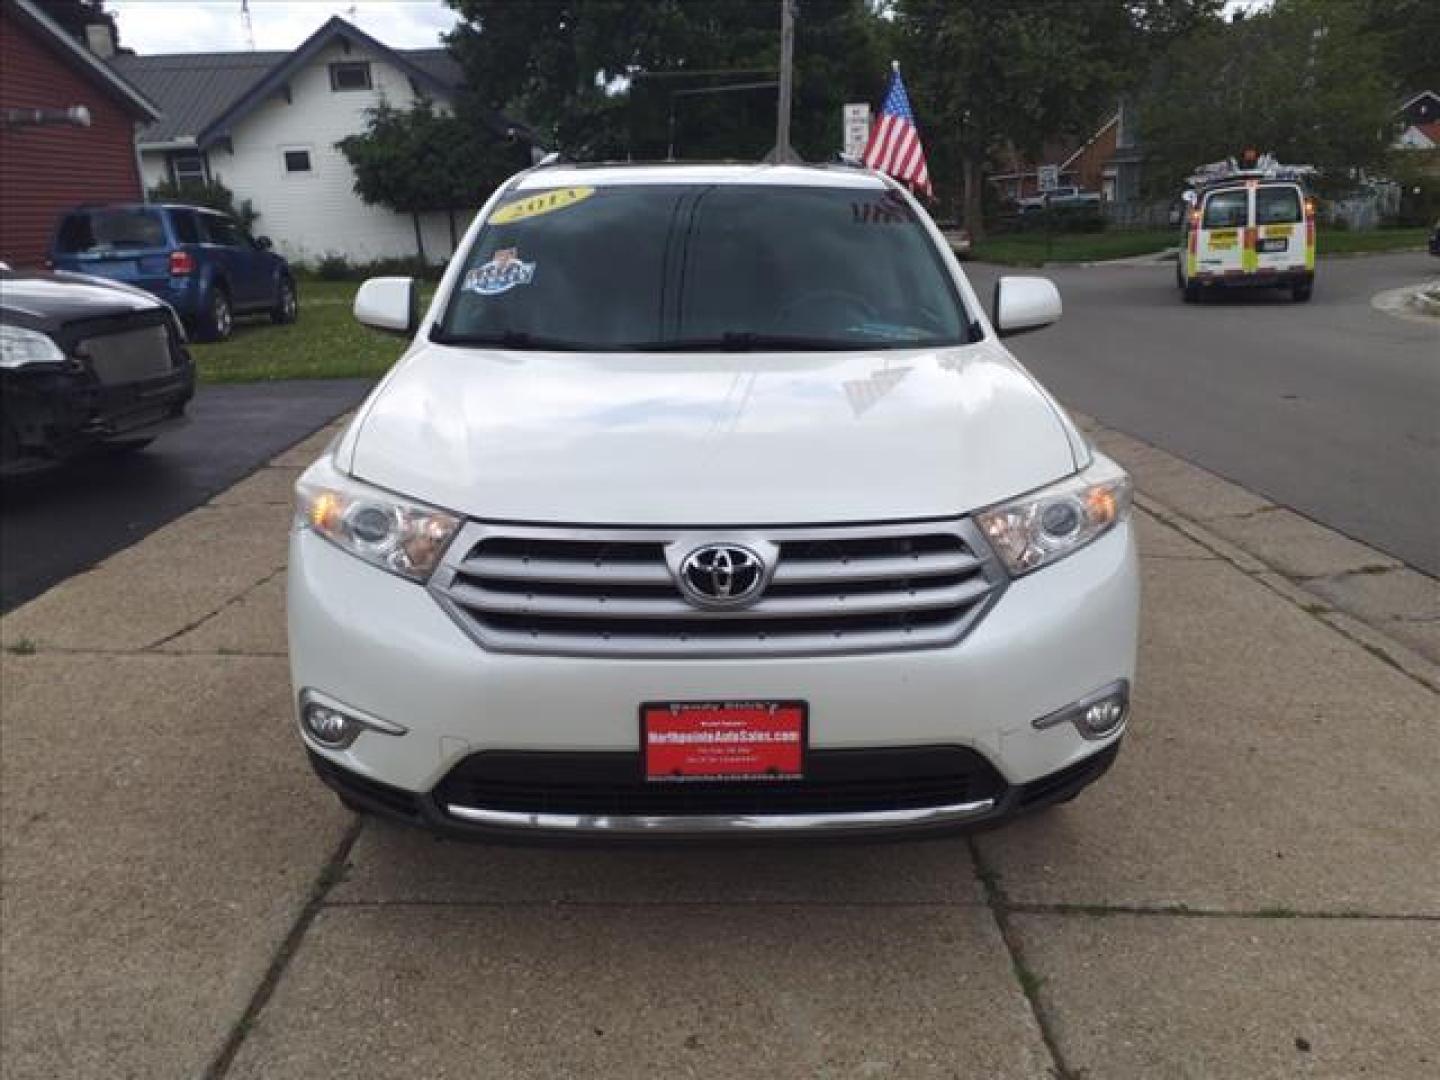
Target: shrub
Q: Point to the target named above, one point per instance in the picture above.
(336, 267)
(214, 195)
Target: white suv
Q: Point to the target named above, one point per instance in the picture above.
(706, 502)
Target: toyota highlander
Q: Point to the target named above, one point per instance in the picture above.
(706, 502)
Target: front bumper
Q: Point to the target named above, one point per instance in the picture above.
(384, 646)
(434, 813)
(51, 415)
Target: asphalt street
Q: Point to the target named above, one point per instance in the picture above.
(56, 524)
(1331, 408)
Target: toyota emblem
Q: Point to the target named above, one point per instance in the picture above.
(722, 576)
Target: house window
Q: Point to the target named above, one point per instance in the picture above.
(297, 161)
(350, 75)
(187, 167)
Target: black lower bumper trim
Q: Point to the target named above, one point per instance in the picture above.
(426, 810)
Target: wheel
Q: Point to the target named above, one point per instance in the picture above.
(1191, 293)
(219, 319)
(1301, 293)
(287, 303)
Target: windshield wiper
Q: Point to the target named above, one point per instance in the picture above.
(745, 341)
(513, 339)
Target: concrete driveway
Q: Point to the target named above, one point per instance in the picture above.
(1254, 891)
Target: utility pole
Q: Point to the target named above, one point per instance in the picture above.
(783, 151)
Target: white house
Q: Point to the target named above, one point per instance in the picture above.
(265, 124)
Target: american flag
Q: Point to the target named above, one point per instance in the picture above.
(894, 145)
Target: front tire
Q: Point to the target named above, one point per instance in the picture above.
(219, 318)
(287, 303)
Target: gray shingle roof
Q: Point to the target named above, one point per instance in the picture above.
(192, 88)
(195, 89)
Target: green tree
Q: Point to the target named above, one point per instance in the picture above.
(1409, 33)
(424, 159)
(1304, 79)
(599, 78)
(985, 76)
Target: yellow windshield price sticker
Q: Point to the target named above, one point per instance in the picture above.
(547, 202)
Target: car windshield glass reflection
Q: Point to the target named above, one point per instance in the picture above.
(705, 267)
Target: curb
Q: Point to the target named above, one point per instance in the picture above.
(1414, 303)
(1263, 545)
(1372, 640)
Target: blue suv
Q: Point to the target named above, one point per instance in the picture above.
(199, 261)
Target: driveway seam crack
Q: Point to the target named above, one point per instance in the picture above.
(1025, 978)
(203, 619)
(330, 875)
(569, 903)
(1180, 911)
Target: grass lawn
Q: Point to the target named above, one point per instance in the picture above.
(1335, 242)
(325, 343)
(1028, 249)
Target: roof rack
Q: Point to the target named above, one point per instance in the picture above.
(1265, 168)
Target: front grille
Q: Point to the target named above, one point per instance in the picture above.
(130, 355)
(613, 592)
(836, 781)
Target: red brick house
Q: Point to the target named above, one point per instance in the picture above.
(50, 158)
(1081, 165)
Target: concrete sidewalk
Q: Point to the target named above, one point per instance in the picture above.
(1254, 891)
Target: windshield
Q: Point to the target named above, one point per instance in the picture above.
(704, 266)
(110, 229)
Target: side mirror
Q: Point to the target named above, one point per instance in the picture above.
(389, 303)
(264, 243)
(1025, 303)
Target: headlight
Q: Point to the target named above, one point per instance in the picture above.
(395, 534)
(1037, 529)
(19, 347)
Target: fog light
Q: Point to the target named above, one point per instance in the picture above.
(1096, 715)
(335, 725)
(328, 726)
(1103, 717)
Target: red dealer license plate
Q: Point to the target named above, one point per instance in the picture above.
(723, 740)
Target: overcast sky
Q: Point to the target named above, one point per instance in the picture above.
(164, 26)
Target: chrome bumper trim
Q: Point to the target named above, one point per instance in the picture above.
(711, 824)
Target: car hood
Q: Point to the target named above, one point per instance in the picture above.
(49, 301)
(758, 438)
